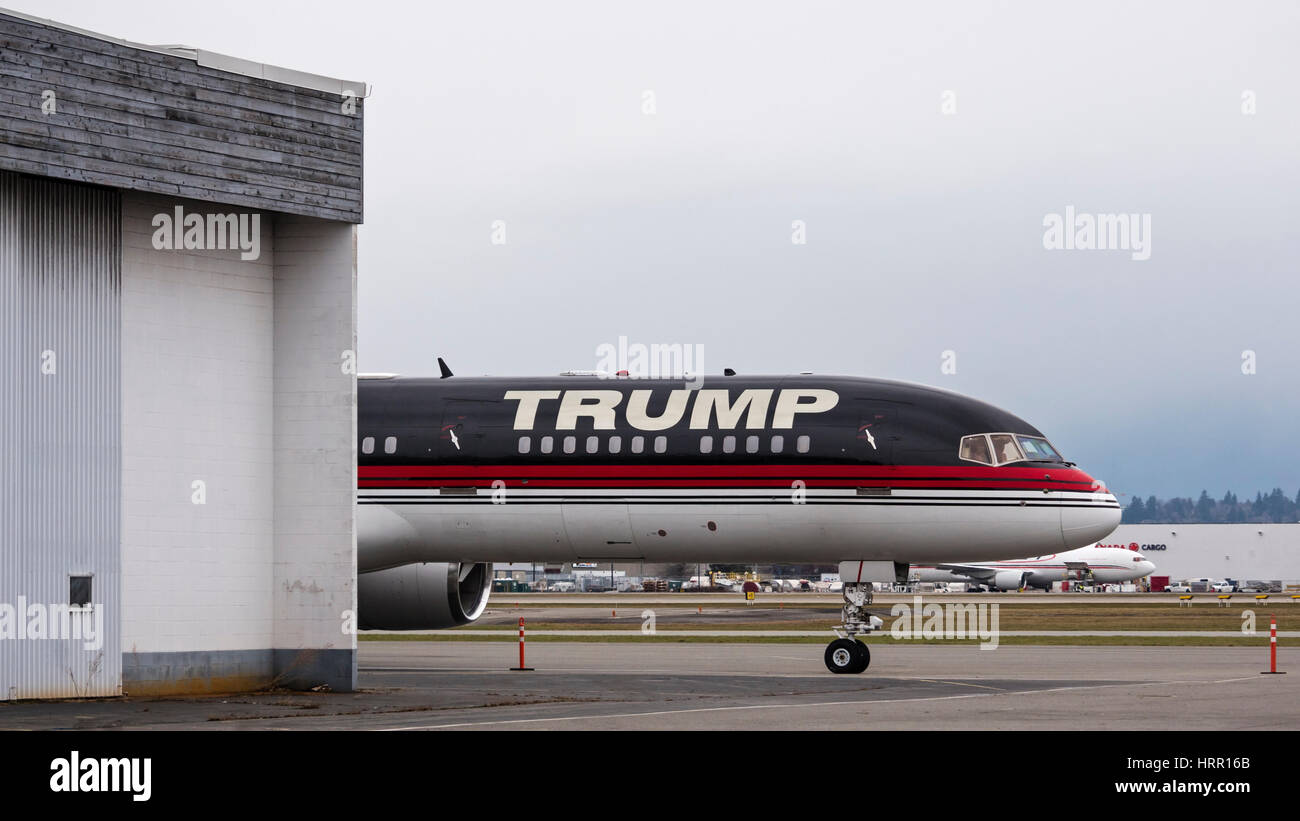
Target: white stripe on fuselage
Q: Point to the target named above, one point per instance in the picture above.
(401, 525)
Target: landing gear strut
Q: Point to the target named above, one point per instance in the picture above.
(847, 654)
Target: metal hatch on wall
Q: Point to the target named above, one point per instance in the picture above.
(599, 529)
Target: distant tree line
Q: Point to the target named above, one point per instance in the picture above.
(1274, 507)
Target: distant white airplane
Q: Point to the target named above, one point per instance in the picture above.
(1099, 564)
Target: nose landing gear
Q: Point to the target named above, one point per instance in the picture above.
(848, 654)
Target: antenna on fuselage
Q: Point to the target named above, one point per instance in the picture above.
(442, 366)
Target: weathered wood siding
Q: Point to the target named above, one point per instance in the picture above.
(154, 121)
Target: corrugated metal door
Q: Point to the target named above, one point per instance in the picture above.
(60, 438)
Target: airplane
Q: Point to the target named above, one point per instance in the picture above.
(1100, 564)
(455, 473)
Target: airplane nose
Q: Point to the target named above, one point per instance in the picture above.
(1085, 520)
(1149, 567)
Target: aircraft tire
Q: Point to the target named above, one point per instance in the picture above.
(846, 656)
(864, 657)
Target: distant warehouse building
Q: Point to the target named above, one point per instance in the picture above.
(177, 401)
(1254, 552)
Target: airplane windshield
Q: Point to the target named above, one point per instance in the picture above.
(1005, 448)
(1037, 449)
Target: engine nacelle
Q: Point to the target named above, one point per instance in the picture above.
(423, 596)
(1010, 579)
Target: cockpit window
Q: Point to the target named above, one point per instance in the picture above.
(1038, 449)
(1005, 448)
(976, 449)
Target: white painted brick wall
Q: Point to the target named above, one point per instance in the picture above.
(197, 403)
(315, 433)
(231, 373)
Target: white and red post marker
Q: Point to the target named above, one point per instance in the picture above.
(521, 667)
(1272, 648)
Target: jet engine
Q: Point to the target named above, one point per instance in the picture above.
(1010, 579)
(423, 596)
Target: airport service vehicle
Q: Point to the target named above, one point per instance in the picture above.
(1223, 587)
(457, 472)
(1181, 587)
(1103, 565)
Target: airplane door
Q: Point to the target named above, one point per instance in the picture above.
(458, 438)
(599, 530)
(877, 434)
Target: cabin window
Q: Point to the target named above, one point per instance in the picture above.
(778, 443)
(728, 444)
(751, 444)
(661, 444)
(390, 444)
(706, 444)
(615, 444)
(547, 444)
(976, 449)
(593, 444)
(570, 444)
(638, 444)
(525, 444)
(803, 443)
(368, 445)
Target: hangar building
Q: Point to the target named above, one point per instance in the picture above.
(1243, 552)
(177, 400)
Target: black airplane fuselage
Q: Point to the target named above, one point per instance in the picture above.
(765, 468)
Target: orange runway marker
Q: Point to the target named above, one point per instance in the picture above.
(521, 667)
(1272, 648)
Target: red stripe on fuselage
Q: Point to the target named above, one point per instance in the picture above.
(900, 476)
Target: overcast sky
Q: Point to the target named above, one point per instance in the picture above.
(921, 146)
